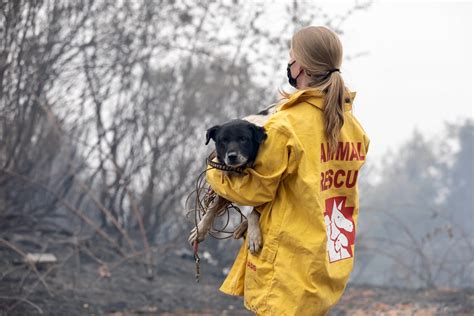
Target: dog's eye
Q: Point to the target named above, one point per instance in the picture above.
(242, 139)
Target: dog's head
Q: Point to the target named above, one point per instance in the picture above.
(237, 142)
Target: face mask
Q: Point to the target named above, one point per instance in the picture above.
(291, 80)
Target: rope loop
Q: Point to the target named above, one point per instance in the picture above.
(204, 197)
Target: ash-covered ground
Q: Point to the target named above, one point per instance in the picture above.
(80, 286)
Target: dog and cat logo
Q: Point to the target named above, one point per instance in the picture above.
(340, 228)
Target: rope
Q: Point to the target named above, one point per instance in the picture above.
(196, 258)
(204, 197)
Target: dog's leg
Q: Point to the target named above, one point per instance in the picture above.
(241, 229)
(254, 237)
(206, 221)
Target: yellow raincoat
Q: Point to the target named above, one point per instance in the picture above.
(308, 201)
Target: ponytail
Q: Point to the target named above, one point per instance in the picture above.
(334, 108)
(319, 52)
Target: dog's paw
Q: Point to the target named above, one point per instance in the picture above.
(198, 234)
(240, 230)
(254, 239)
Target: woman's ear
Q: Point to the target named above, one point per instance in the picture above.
(259, 134)
(211, 133)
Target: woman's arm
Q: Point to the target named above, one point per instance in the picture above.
(258, 185)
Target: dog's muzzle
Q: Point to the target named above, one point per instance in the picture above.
(234, 159)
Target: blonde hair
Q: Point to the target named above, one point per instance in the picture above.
(319, 51)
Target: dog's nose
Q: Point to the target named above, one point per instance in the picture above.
(232, 156)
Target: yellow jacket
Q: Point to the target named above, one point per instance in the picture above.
(308, 201)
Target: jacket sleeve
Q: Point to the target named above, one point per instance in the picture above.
(258, 185)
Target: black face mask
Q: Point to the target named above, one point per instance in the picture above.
(291, 80)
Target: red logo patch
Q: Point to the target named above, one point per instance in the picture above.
(340, 229)
(251, 266)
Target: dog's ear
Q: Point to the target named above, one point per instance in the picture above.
(259, 134)
(211, 133)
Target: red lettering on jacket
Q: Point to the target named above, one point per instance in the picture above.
(350, 184)
(338, 178)
(342, 151)
(354, 154)
(361, 157)
(328, 178)
(345, 151)
(323, 153)
(338, 173)
(251, 266)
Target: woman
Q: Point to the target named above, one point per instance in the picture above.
(304, 185)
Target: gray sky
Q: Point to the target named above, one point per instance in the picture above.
(418, 71)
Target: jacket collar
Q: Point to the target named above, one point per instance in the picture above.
(314, 97)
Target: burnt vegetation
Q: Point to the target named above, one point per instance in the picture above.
(103, 111)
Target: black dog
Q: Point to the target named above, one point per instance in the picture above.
(237, 142)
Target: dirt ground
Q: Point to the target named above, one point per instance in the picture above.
(79, 289)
